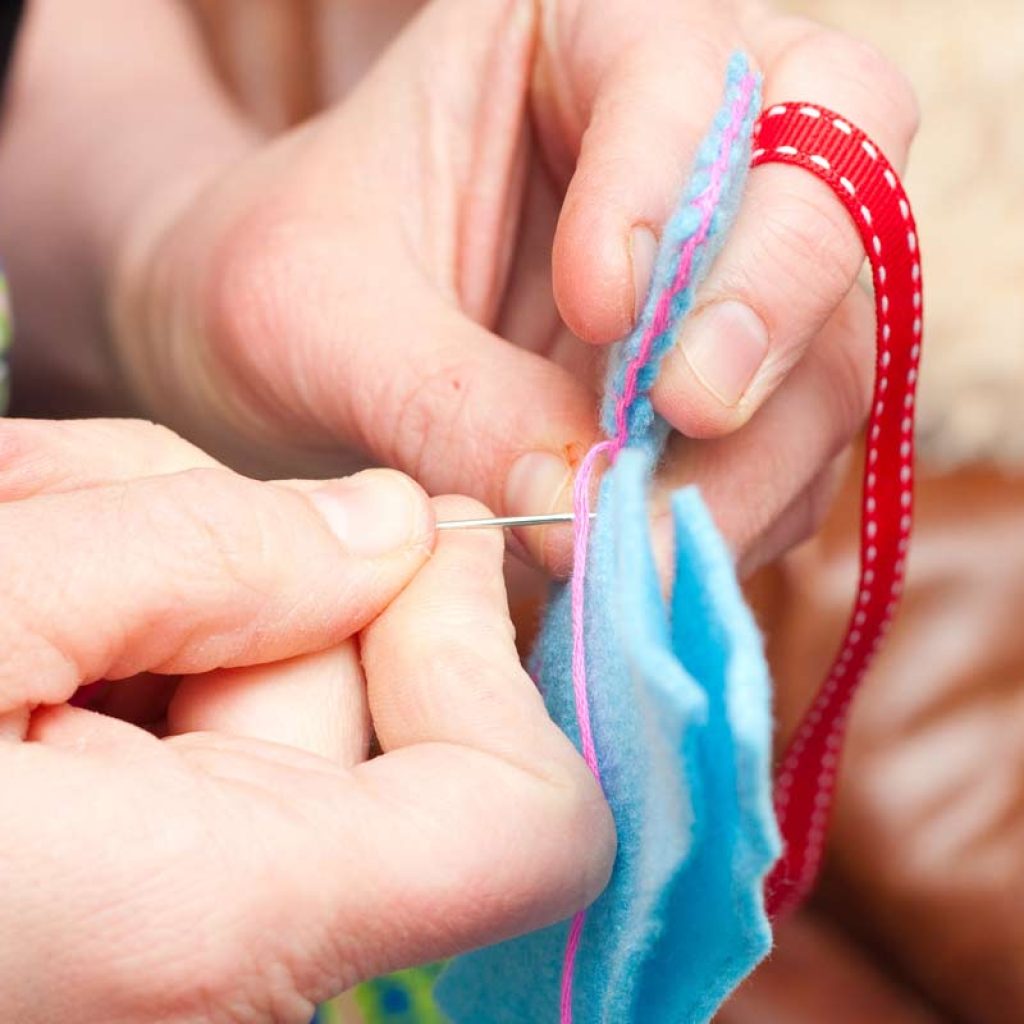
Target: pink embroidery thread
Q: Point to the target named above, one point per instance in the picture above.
(706, 203)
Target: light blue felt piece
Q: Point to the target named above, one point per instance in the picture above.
(680, 708)
(681, 715)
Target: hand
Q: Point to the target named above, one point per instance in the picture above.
(379, 280)
(254, 861)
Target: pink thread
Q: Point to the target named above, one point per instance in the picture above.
(572, 946)
(706, 203)
(581, 547)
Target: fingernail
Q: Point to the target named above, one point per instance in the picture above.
(375, 512)
(535, 484)
(643, 247)
(725, 345)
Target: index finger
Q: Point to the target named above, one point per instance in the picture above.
(196, 571)
(794, 252)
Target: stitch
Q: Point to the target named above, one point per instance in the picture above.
(876, 244)
(786, 150)
(810, 112)
(706, 202)
(839, 123)
(821, 162)
(904, 209)
(776, 110)
(865, 213)
(890, 178)
(869, 149)
(848, 185)
(882, 274)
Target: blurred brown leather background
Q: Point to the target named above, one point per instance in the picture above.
(921, 914)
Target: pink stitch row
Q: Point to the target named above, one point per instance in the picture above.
(706, 203)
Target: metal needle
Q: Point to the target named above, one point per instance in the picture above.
(509, 521)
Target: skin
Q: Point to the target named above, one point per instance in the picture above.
(425, 275)
(253, 860)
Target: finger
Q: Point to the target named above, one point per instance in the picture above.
(478, 822)
(458, 408)
(749, 479)
(196, 571)
(461, 595)
(645, 90)
(794, 252)
(508, 828)
(51, 456)
(316, 702)
(299, 312)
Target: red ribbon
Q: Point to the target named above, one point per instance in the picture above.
(837, 152)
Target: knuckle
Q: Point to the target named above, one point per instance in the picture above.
(574, 807)
(807, 236)
(261, 278)
(590, 826)
(218, 530)
(866, 74)
(147, 433)
(243, 280)
(887, 84)
(431, 420)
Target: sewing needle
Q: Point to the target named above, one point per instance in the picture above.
(509, 521)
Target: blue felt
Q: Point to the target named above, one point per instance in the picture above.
(646, 429)
(680, 704)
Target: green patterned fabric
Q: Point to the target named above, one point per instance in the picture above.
(402, 998)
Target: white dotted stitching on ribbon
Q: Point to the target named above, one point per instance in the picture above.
(829, 766)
